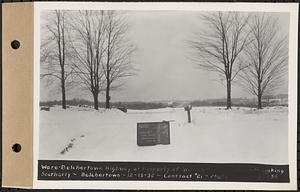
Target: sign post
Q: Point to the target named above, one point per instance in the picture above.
(188, 109)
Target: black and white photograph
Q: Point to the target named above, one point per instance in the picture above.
(205, 89)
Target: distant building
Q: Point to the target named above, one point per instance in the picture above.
(273, 100)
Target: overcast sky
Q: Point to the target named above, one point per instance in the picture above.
(164, 70)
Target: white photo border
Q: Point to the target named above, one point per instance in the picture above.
(291, 8)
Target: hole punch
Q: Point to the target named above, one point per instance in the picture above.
(15, 44)
(16, 147)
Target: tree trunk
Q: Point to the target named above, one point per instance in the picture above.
(108, 69)
(63, 92)
(107, 95)
(228, 94)
(259, 94)
(96, 104)
(259, 106)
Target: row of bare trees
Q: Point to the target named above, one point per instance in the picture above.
(88, 48)
(91, 48)
(247, 47)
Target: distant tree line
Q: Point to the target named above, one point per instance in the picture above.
(267, 100)
(127, 105)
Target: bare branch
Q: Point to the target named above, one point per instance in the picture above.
(266, 55)
(219, 47)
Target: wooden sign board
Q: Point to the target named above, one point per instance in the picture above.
(153, 133)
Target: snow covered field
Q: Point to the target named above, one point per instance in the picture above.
(240, 135)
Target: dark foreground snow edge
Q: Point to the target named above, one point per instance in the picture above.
(158, 171)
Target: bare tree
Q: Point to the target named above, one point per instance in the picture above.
(218, 49)
(89, 48)
(54, 53)
(118, 62)
(267, 55)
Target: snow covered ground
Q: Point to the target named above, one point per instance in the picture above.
(240, 135)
